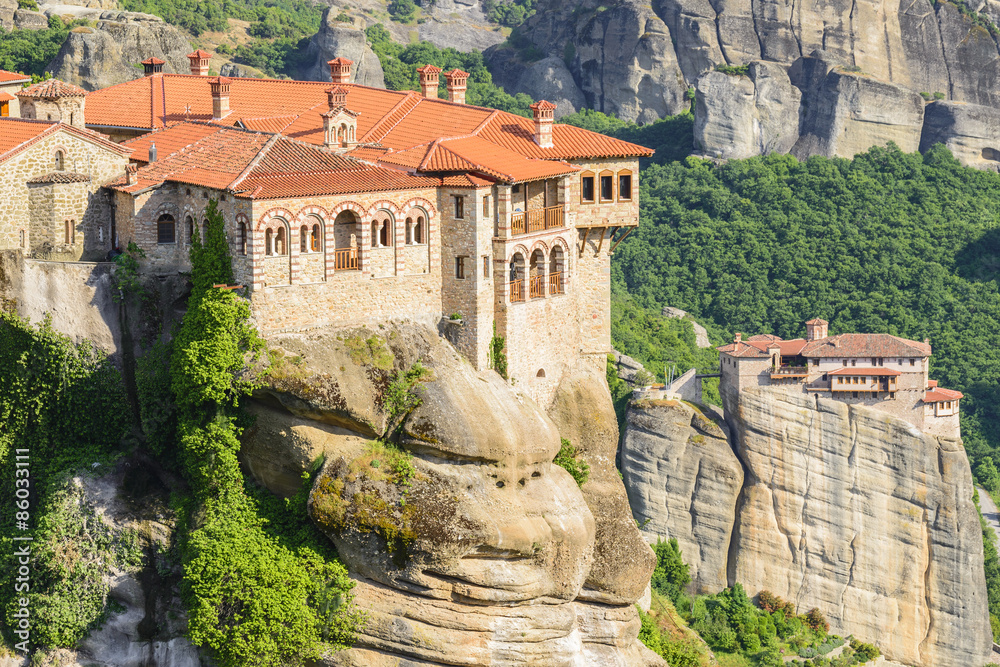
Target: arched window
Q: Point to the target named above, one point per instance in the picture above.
(60, 161)
(165, 229)
(280, 242)
(409, 231)
(536, 286)
(516, 277)
(418, 231)
(557, 270)
(269, 243)
(385, 234)
(304, 239)
(374, 233)
(189, 223)
(343, 135)
(317, 235)
(243, 238)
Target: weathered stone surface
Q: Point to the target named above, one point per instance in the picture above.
(240, 70)
(7, 9)
(550, 79)
(683, 480)
(108, 53)
(970, 131)
(26, 19)
(857, 513)
(742, 116)
(847, 112)
(336, 39)
(491, 554)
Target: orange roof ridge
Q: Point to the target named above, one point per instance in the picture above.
(255, 161)
(410, 97)
(486, 121)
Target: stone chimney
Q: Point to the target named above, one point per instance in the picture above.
(340, 69)
(816, 329)
(336, 97)
(456, 79)
(429, 80)
(131, 175)
(738, 338)
(199, 62)
(151, 66)
(544, 117)
(220, 97)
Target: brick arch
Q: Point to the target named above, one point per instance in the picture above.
(384, 205)
(318, 211)
(265, 220)
(540, 245)
(519, 248)
(357, 208)
(419, 203)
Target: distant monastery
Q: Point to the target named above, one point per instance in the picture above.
(878, 370)
(342, 203)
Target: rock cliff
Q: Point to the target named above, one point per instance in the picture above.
(473, 548)
(110, 52)
(336, 39)
(637, 60)
(842, 507)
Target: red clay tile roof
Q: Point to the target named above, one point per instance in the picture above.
(816, 320)
(199, 54)
(17, 134)
(865, 371)
(398, 120)
(153, 61)
(51, 89)
(257, 165)
(931, 384)
(6, 97)
(744, 349)
(939, 394)
(10, 77)
(865, 345)
(764, 337)
(465, 181)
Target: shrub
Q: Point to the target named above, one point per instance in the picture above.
(671, 573)
(402, 11)
(732, 70)
(864, 652)
(570, 460)
(816, 621)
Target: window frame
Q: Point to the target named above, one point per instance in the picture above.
(593, 188)
(625, 173)
(486, 206)
(486, 266)
(173, 229)
(459, 206)
(460, 267)
(607, 173)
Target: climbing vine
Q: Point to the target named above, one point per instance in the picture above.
(498, 357)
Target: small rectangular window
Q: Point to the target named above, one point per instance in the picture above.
(854, 362)
(815, 362)
(913, 362)
(607, 188)
(588, 189)
(845, 362)
(459, 207)
(460, 268)
(4, 109)
(625, 186)
(486, 206)
(854, 394)
(486, 266)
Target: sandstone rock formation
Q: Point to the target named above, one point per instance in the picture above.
(110, 52)
(336, 39)
(743, 116)
(550, 79)
(683, 482)
(970, 131)
(7, 9)
(486, 552)
(857, 513)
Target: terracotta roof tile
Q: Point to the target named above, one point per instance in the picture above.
(865, 345)
(465, 181)
(940, 394)
(153, 61)
(17, 134)
(10, 77)
(931, 384)
(60, 177)
(199, 54)
(272, 124)
(169, 140)
(6, 97)
(51, 89)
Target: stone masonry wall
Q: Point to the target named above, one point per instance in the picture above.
(92, 213)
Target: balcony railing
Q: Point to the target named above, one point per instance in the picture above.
(345, 260)
(536, 220)
(516, 291)
(556, 285)
(790, 370)
(536, 287)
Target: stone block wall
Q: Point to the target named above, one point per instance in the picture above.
(69, 110)
(83, 202)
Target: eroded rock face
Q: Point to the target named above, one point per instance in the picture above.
(105, 55)
(970, 131)
(743, 116)
(335, 40)
(857, 513)
(474, 548)
(683, 481)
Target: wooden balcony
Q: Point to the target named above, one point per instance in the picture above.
(345, 260)
(536, 220)
(789, 372)
(556, 285)
(516, 291)
(536, 287)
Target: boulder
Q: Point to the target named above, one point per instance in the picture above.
(845, 112)
(7, 9)
(110, 52)
(970, 131)
(26, 19)
(683, 480)
(469, 545)
(551, 80)
(859, 514)
(240, 70)
(336, 39)
(741, 116)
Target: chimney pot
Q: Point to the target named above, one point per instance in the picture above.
(544, 115)
(738, 338)
(151, 66)
(131, 175)
(336, 97)
(456, 83)
(152, 151)
(199, 62)
(220, 97)
(340, 69)
(429, 80)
